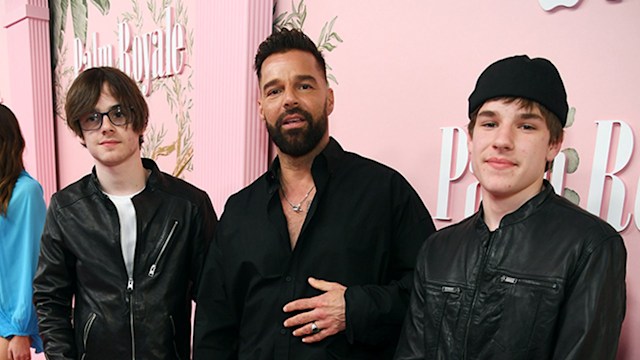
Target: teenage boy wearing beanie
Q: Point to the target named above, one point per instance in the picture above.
(530, 275)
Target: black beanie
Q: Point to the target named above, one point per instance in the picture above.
(519, 76)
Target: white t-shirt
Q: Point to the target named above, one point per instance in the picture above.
(128, 227)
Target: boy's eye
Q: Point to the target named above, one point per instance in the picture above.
(117, 113)
(93, 117)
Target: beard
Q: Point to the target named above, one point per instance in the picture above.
(298, 142)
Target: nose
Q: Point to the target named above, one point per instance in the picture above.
(290, 99)
(106, 123)
(503, 138)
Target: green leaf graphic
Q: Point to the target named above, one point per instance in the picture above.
(102, 5)
(79, 14)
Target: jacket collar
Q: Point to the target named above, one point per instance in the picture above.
(530, 207)
(156, 178)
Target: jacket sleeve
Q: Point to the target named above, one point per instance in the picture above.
(54, 285)
(375, 312)
(411, 345)
(216, 320)
(591, 318)
(25, 219)
(206, 221)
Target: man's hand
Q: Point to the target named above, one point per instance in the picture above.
(19, 348)
(326, 311)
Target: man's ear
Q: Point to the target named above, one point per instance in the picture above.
(260, 110)
(330, 101)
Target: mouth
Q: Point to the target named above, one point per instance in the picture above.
(500, 163)
(109, 142)
(293, 119)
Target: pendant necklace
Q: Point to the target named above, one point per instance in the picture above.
(298, 207)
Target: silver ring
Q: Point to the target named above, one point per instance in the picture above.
(314, 328)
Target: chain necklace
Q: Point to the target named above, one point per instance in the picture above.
(298, 207)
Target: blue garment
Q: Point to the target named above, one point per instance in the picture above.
(20, 232)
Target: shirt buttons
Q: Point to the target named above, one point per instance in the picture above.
(283, 331)
(288, 279)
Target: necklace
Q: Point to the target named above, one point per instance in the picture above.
(298, 207)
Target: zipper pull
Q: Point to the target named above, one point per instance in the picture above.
(451, 290)
(130, 284)
(152, 270)
(508, 279)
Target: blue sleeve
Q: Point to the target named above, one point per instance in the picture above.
(21, 228)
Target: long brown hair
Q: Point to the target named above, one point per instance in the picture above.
(11, 149)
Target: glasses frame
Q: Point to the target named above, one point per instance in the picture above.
(101, 115)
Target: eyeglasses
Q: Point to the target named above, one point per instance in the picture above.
(93, 121)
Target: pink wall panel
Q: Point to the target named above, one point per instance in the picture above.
(405, 71)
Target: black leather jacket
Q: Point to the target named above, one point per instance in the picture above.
(112, 316)
(549, 283)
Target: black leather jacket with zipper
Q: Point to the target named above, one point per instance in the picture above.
(549, 283)
(88, 307)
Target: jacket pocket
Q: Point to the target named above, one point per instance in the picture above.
(529, 312)
(441, 313)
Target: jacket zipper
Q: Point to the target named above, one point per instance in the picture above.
(451, 290)
(152, 269)
(530, 282)
(133, 337)
(85, 336)
(475, 293)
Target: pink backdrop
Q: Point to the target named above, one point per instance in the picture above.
(404, 71)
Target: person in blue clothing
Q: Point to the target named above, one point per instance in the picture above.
(22, 213)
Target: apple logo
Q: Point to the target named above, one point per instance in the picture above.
(552, 4)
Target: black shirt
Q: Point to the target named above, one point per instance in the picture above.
(363, 230)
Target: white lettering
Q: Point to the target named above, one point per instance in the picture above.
(446, 158)
(157, 57)
(78, 52)
(472, 199)
(636, 209)
(124, 46)
(599, 171)
(177, 49)
(558, 172)
(146, 57)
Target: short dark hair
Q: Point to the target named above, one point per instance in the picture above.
(86, 90)
(553, 124)
(281, 41)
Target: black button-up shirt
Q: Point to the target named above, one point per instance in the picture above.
(363, 230)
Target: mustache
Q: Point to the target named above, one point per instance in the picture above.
(306, 115)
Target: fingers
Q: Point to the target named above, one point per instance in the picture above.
(301, 304)
(309, 335)
(322, 316)
(316, 301)
(303, 318)
(323, 285)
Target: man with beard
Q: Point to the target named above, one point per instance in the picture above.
(314, 259)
